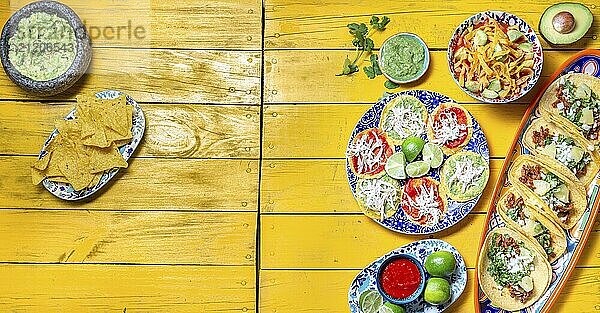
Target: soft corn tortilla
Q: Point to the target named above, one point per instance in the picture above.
(548, 111)
(500, 298)
(556, 129)
(577, 190)
(558, 239)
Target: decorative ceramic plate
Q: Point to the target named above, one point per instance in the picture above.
(64, 190)
(400, 222)
(365, 280)
(508, 19)
(588, 62)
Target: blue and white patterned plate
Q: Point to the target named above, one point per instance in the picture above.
(508, 19)
(400, 222)
(64, 190)
(588, 63)
(366, 279)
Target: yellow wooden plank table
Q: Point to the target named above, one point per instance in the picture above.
(237, 199)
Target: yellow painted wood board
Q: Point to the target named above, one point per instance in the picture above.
(158, 237)
(322, 24)
(172, 130)
(147, 184)
(308, 76)
(287, 184)
(123, 288)
(354, 241)
(224, 24)
(163, 75)
(290, 291)
(323, 130)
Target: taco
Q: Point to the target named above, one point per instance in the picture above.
(402, 117)
(560, 197)
(565, 150)
(573, 101)
(464, 176)
(512, 273)
(368, 153)
(545, 233)
(423, 201)
(450, 126)
(378, 197)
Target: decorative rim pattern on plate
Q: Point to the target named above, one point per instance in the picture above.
(510, 19)
(64, 190)
(366, 279)
(456, 210)
(585, 62)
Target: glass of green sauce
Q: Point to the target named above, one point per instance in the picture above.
(404, 58)
(43, 46)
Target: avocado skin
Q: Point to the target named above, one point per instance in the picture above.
(583, 22)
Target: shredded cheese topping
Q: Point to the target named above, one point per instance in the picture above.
(369, 153)
(377, 193)
(466, 173)
(404, 121)
(427, 203)
(447, 128)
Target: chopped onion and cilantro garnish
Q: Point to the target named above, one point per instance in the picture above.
(511, 264)
(580, 105)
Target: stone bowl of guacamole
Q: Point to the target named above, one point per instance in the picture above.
(45, 48)
(404, 58)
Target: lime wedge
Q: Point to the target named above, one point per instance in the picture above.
(370, 301)
(417, 169)
(411, 147)
(433, 154)
(395, 166)
(389, 307)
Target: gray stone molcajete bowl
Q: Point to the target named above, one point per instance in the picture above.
(82, 58)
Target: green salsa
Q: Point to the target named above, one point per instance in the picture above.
(403, 57)
(43, 46)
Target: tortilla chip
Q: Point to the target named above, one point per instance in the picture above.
(74, 168)
(102, 159)
(58, 179)
(37, 176)
(96, 179)
(42, 164)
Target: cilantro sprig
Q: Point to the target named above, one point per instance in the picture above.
(364, 44)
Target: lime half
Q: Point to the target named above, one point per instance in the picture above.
(389, 307)
(411, 147)
(417, 169)
(395, 166)
(370, 301)
(433, 154)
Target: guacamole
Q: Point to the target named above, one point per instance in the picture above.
(402, 57)
(43, 46)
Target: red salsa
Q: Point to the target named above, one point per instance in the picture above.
(400, 278)
(461, 118)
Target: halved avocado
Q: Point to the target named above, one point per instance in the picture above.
(565, 23)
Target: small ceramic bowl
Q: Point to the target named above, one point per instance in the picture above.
(508, 19)
(79, 66)
(410, 298)
(425, 63)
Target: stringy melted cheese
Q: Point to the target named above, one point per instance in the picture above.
(367, 154)
(404, 121)
(465, 174)
(378, 193)
(446, 128)
(428, 204)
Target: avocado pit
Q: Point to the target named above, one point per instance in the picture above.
(563, 22)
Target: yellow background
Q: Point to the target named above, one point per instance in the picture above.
(237, 200)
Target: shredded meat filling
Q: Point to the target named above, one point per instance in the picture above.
(529, 173)
(539, 137)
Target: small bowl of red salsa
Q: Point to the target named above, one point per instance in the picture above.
(401, 279)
